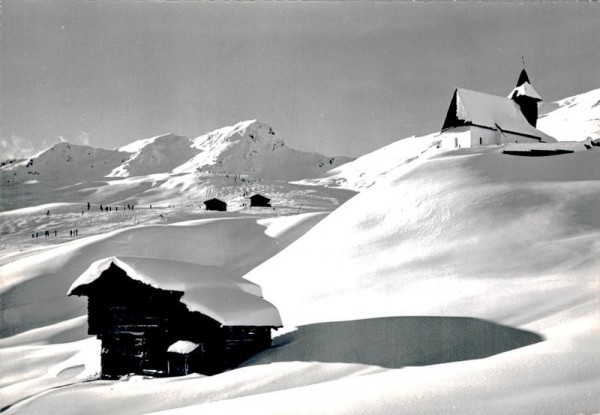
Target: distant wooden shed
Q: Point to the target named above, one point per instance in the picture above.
(259, 201)
(169, 318)
(215, 204)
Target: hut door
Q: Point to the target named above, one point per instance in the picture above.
(122, 354)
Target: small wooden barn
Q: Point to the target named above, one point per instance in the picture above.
(215, 204)
(168, 318)
(259, 201)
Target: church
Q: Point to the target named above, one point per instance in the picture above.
(480, 119)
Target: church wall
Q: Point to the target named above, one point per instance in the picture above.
(484, 137)
(515, 138)
(458, 137)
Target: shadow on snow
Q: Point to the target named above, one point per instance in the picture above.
(395, 342)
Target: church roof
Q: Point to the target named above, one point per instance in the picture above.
(489, 111)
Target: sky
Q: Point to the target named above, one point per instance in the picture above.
(338, 78)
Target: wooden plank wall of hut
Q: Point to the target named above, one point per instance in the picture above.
(240, 343)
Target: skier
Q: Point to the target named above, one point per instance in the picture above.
(76, 232)
(71, 232)
(55, 232)
(101, 209)
(88, 205)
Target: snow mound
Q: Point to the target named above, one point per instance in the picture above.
(439, 239)
(576, 118)
(159, 154)
(253, 148)
(206, 289)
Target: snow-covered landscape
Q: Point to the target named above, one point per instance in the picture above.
(414, 279)
(299, 207)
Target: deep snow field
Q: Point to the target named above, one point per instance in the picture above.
(463, 281)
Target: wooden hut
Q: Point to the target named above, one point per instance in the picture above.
(259, 201)
(169, 318)
(215, 204)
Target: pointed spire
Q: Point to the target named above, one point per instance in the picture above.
(523, 78)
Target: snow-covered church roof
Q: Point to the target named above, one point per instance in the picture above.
(489, 111)
(207, 289)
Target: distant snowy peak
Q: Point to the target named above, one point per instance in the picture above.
(138, 145)
(159, 154)
(253, 148)
(249, 148)
(66, 162)
(252, 135)
(576, 118)
(253, 130)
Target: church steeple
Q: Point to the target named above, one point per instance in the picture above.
(526, 97)
(523, 76)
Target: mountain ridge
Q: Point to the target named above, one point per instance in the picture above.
(246, 148)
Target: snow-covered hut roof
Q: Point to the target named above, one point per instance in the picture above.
(525, 90)
(214, 199)
(207, 289)
(489, 111)
(258, 196)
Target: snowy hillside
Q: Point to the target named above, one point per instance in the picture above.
(572, 119)
(159, 154)
(461, 281)
(252, 148)
(472, 254)
(231, 163)
(63, 162)
(366, 170)
(575, 118)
